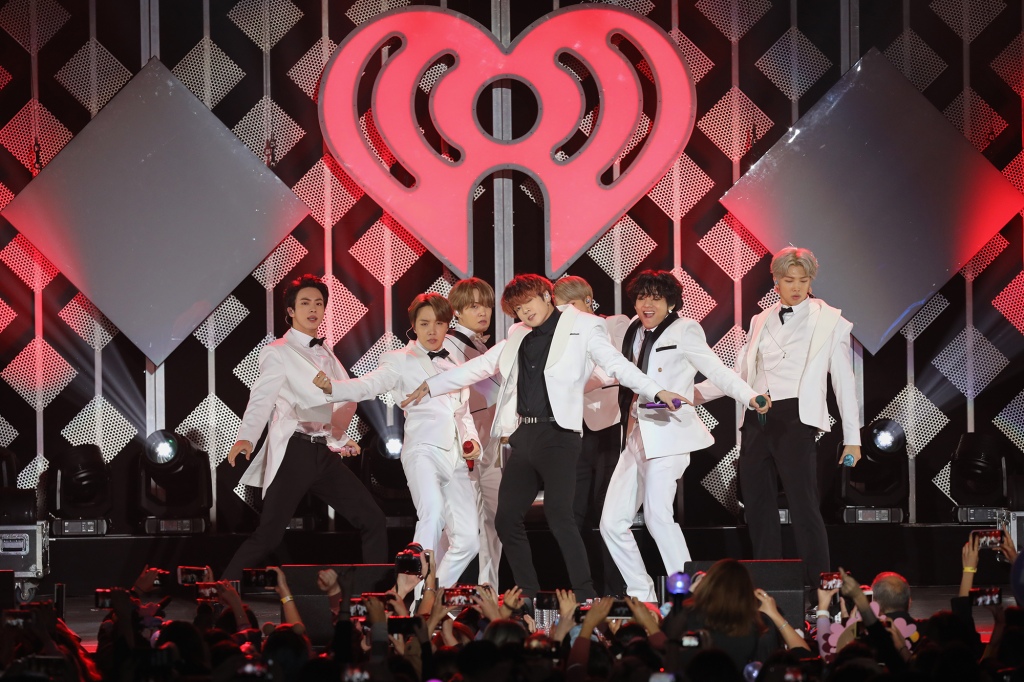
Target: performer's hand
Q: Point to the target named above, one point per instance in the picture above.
(414, 398)
(242, 447)
(474, 453)
(350, 449)
(852, 450)
(767, 403)
(668, 397)
(323, 382)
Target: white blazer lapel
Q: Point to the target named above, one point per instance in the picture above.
(827, 319)
(421, 357)
(560, 339)
(755, 338)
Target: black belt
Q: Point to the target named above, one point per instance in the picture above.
(306, 438)
(539, 420)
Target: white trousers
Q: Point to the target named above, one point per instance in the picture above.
(445, 500)
(651, 483)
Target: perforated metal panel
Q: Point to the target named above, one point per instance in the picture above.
(279, 263)
(373, 138)
(224, 73)
(734, 124)
(1010, 64)
(697, 302)
(50, 17)
(732, 247)
(1011, 420)
(733, 17)
(478, 192)
(577, 68)
(912, 56)
(706, 417)
(831, 423)
(698, 62)
(768, 300)
(384, 237)
(7, 315)
(986, 124)
(7, 433)
(531, 189)
(440, 286)
(221, 322)
(431, 76)
(633, 246)
(28, 478)
(88, 322)
(1014, 172)
(356, 429)
(100, 424)
(967, 19)
(344, 192)
(984, 257)
(344, 310)
(38, 368)
(265, 31)
(987, 362)
(371, 358)
(587, 122)
(252, 129)
(793, 63)
(248, 370)
(641, 7)
(920, 418)
(212, 427)
(643, 126)
(364, 10)
(692, 183)
(22, 257)
(306, 72)
(5, 77)
(247, 494)
(721, 480)
(1010, 302)
(76, 75)
(924, 317)
(941, 481)
(728, 347)
(5, 196)
(18, 139)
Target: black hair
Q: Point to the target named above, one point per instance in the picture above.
(657, 283)
(291, 291)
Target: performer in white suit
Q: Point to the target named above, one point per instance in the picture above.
(306, 437)
(544, 364)
(472, 302)
(435, 431)
(658, 443)
(791, 349)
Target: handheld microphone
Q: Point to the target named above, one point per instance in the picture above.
(467, 447)
(661, 406)
(761, 402)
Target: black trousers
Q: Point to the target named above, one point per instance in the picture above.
(783, 448)
(312, 468)
(542, 454)
(594, 470)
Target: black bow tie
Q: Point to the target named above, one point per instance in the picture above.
(443, 353)
(317, 342)
(782, 311)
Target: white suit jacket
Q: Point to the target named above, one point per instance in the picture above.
(829, 353)
(580, 340)
(284, 395)
(437, 421)
(677, 355)
(601, 400)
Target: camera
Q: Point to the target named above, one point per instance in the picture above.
(408, 560)
(17, 618)
(383, 597)
(402, 625)
(215, 605)
(459, 595)
(986, 596)
(190, 575)
(356, 608)
(103, 599)
(988, 539)
(258, 578)
(206, 590)
(831, 581)
(620, 610)
(694, 639)
(545, 601)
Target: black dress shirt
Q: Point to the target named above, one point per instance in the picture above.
(532, 390)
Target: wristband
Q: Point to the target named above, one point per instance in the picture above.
(824, 613)
(970, 569)
(429, 589)
(783, 626)
(287, 598)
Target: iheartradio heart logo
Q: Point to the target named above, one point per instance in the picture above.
(580, 201)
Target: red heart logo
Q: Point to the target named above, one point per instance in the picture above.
(579, 206)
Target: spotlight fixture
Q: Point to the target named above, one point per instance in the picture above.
(977, 478)
(78, 493)
(874, 490)
(175, 485)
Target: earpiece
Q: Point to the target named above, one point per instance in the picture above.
(547, 298)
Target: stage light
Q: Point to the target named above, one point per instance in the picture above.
(78, 493)
(977, 478)
(175, 485)
(874, 490)
(390, 443)
(393, 446)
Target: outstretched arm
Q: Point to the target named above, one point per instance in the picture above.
(695, 345)
(611, 361)
(460, 377)
(386, 377)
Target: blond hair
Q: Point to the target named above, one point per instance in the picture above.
(791, 256)
(572, 288)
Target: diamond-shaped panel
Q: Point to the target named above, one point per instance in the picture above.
(1014, 172)
(7, 316)
(279, 263)
(50, 17)
(793, 63)
(735, 124)
(643, 126)
(371, 359)
(728, 347)
(77, 75)
(1010, 302)
(356, 429)
(212, 428)
(697, 61)
(21, 257)
(709, 420)
(328, 191)
(532, 190)
(364, 10)
(38, 368)
(18, 139)
(387, 250)
(7, 433)
(768, 300)
(920, 418)
(732, 247)
(621, 249)
(941, 481)
(28, 478)
(967, 19)
(265, 29)
(986, 123)
(100, 424)
(344, 310)
(224, 73)
(5, 77)
(984, 258)
(733, 17)
(88, 322)
(375, 140)
(247, 494)
(1011, 420)
(924, 317)
(697, 303)
(1010, 64)
(431, 76)
(721, 481)
(641, 7)
(306, 72)
(221, 322)
(248, 370)
(5, 196)
(987, 362)
(252, 129)
(681, 188)
(912, 56)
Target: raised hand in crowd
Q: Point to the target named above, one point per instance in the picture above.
(149, 580)
(511, 601)
(969, 556)
(567, 606)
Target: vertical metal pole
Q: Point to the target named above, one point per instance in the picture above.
(968, 131)
(149, 11)
(501, 117)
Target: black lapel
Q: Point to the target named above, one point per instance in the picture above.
(461, 337)
(627, 340)
(665, 324)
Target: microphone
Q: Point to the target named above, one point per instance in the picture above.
(761, 402)
(467, 447)
(661, 406)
